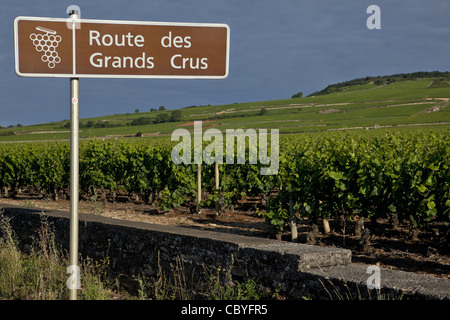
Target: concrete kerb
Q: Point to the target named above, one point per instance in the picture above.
(395, 283)
(295, 269)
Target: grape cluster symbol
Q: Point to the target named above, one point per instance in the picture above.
(47, 43)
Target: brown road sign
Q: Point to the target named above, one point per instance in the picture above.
(53, 47)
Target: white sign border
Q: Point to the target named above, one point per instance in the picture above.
(74, 75)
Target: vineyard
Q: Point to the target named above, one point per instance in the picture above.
(401, 175)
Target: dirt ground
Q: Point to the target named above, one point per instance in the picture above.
(425, 252)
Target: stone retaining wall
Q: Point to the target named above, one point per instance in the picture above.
(136, 248)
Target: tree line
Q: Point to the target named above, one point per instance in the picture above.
(173, 116)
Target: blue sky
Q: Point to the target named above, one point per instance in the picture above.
(277, 48)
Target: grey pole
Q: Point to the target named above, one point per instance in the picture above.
(74, 174)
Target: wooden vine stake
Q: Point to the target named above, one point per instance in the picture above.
(293, 221)
(217, 186)
(199, 186)
(217, 176)
(326, 226)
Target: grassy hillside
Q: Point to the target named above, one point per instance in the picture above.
(358, 104)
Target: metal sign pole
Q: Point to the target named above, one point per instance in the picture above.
(211, 43)
(74, 176)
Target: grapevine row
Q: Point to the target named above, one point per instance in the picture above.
(321, 175)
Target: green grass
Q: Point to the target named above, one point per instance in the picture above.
(354, 106)
(41, 275)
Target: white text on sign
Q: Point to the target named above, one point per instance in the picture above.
(177, 61)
